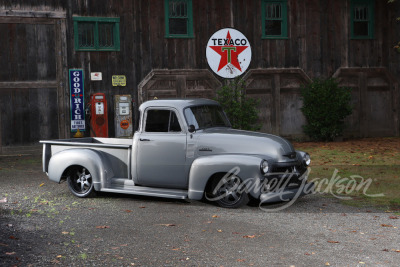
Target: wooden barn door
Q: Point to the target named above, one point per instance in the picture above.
(178, 84)
(32, 80)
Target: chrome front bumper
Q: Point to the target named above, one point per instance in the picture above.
(287, 194)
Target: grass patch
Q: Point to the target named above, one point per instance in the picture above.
(367, 170)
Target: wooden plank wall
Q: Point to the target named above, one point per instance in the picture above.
(319, 40)
(28, 80)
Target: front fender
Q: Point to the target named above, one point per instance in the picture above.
(204, 168)
(94, 161)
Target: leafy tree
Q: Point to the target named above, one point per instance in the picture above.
(325, 106)
(396, 47)
(241, 110)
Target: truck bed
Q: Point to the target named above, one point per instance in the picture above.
(118, 151)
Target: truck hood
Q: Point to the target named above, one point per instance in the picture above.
(232, 141)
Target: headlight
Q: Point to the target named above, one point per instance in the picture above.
(307, 159)
(264, 167)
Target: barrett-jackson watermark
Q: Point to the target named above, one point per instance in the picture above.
(287, 187)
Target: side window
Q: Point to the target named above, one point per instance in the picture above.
(274, 19)
(178, 19)
(159, 121)
(362, 19)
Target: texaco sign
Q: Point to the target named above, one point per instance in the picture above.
(228, 53)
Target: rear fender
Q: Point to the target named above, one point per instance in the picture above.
(95, 162)
(203, 168)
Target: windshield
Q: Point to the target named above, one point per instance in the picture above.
(206, 116)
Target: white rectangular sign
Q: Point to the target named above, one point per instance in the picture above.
(96, 76)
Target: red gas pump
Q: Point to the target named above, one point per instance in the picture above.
(98, 115)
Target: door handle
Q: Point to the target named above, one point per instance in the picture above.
(144, 139)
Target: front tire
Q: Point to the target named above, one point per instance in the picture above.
(229, 192)
(80, 182)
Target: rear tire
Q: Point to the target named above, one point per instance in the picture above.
(229, 192)
(80, 182)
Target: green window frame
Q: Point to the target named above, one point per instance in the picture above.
(96, 34)
(178, 19)
(362, 19)
(274, 15)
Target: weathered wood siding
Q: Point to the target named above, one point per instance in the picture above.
(319, 44)
(30, 79)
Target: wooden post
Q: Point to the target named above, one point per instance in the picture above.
(362, 85)
(1, 138)
(276, 91)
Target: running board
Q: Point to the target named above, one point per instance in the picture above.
(149, 191)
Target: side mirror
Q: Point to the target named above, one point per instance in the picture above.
(192, 129)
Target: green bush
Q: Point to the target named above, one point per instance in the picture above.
(241, 110)
(325, 106)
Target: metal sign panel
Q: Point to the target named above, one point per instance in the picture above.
(119, 80)
(96, 76)
(77, 100)
(228, 53)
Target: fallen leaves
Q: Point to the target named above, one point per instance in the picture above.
(333, 242)
(102, 226)
(10, 253)
(3, 200)
(167, 224)
(393, 217)
(127, 211)
(386, 225)
(394, 250)
(249, 236)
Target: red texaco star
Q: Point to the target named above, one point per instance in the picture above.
(229, 53)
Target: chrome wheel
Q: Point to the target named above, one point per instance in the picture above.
(80, 181)
(229, 192)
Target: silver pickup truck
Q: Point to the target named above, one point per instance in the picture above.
(183, 149)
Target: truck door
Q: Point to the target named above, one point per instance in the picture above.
(162, 150)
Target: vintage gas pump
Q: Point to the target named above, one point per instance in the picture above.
(123, 115)
(98, 115)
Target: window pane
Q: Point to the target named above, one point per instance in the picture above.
(361, 20)
(106, 35)
(86, 34)
(274, 11)
(206, 117)
(361, 28)
(273, 27)
(177, 9)
(360, 13)
(177, 26)
(178, 17)
(157, 121)
(174, 123)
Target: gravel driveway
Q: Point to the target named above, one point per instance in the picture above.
(43, 224)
